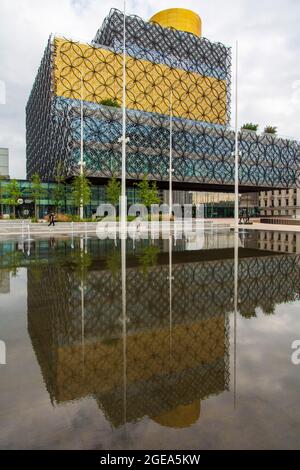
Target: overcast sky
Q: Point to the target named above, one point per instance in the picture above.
(269, 42)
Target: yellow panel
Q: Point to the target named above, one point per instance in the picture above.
(148, 85)
(148, 355)
(179, 18)
(182, 416)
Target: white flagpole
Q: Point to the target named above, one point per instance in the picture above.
(123, 233)
(81, 145)
(170, 298)
(170, 156)
(124, 325)
(236, 280)
(236, 224)
(236, 153)
(123, 139)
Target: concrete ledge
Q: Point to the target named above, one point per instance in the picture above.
(271, 227)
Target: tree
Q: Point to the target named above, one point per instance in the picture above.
(250, 127)
(36, 191)
(59, 192)
(113, 191)
(12, 261)
(113, 263)
(2, 178)
(13, 194)
(81, 191)
(149, 257)
(81, 263)
(148, 192)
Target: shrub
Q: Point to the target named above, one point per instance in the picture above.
(250, 127)
(270, 130)
(110, 102)
(63, 218)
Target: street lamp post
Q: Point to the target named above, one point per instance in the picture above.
(236, 224)
(123, 139)
(170, 156)
(81, 162)
(236, 153)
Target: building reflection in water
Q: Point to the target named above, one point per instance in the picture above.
(147, 333)
(4, 281)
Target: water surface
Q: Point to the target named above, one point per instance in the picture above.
(151, 354)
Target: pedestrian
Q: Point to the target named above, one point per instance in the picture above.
(51, 219)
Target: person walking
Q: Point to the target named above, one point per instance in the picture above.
(51, 219)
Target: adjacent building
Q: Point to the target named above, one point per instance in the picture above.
(280, 242)
(4, 162)
(282, 202)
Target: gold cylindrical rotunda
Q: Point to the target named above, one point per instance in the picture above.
(181, 417)
(179, 18)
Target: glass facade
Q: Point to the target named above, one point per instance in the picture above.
(26, 208)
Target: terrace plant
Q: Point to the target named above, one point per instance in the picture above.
(113, 102)
(250, 127)
(270, 130)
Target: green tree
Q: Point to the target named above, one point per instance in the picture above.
(81, 191)
(113, 191)
(13, 194)
(12, 261)
(113, 263)
(149, 257)
(36, 191)
(148, 192)
(2, 200)
(80, 262)
(59, 192)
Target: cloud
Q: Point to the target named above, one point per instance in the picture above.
(269, 43)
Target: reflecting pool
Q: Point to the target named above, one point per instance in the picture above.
(163, 344)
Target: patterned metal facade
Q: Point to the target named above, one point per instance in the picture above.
(158, 60)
